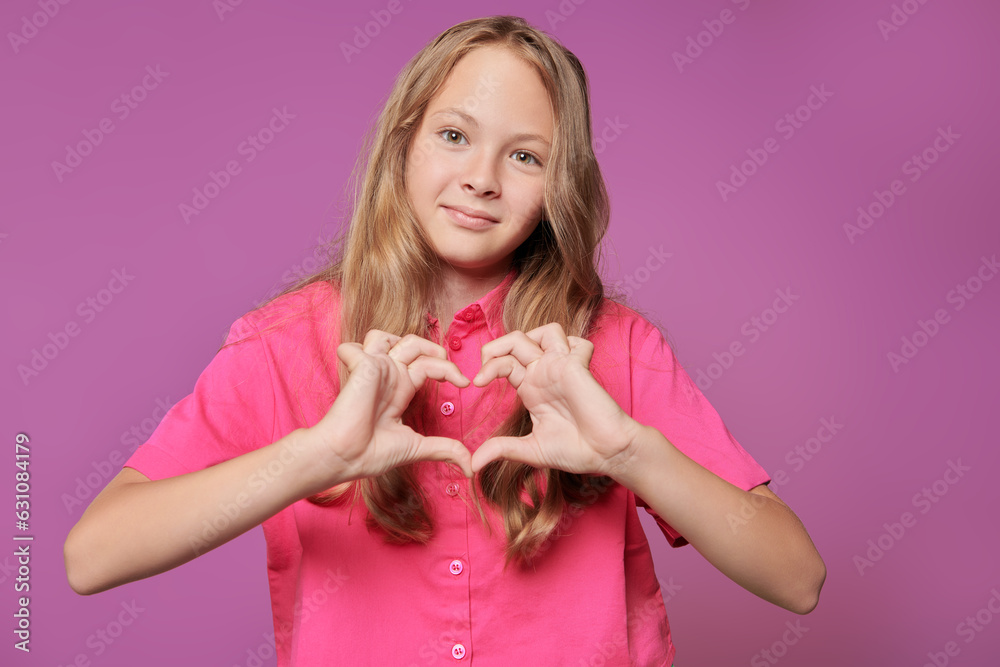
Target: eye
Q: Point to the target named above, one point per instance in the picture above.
(530, 155)
(449, 132)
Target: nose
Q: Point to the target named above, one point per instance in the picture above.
(480, 175)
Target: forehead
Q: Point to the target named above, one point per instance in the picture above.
(494, 87)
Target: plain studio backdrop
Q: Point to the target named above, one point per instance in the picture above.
(802, 199)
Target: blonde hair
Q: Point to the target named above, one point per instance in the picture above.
(385, 269)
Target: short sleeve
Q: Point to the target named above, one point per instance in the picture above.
(229, 413)
(665, 397)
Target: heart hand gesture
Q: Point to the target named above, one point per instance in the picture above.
(577, 426)
(363, 435)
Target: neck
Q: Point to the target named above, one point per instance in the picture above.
(456, 288)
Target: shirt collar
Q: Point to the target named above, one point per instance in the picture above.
(491, 304)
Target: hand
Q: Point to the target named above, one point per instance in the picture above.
(363, 432)
(577, 426)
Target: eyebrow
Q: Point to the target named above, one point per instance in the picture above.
(454, 111)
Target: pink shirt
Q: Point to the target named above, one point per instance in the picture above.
(340, 593)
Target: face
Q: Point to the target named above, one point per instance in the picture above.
(482, 145)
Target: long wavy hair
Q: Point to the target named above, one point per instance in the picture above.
(385, 268)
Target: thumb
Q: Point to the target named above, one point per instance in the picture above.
(504, 447)
(436, 448)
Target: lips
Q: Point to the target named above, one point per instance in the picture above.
(474, 222)
(473, 213)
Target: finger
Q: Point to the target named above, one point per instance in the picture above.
(508, 448)
(359, 364)
(507, 367)
(351, 354)
(412, 346)
(436, 448)
(581, 347)
(550, 337)
(516, 344)
(379, 342)
(436, 369)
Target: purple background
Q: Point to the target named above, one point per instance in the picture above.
(680, 132)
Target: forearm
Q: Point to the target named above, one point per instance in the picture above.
(140, 529)
(757, 542)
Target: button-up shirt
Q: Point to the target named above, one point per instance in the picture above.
(341, 594)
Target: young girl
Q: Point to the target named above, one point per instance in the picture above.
(488, 515)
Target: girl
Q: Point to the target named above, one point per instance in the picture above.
(498, 501)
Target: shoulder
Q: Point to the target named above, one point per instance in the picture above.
(629, 352)
(616, 325)
(308, 312)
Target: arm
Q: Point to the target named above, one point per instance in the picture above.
(136, 528)
(752, 537)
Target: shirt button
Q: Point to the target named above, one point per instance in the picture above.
(455, 343)
(456, 566)
(452, 489)
(467, 315)
(458, 651)
(447, 408)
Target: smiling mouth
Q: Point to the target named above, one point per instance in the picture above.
(468, 221)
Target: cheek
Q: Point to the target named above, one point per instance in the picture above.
(421, 151)
(419, 161)
(532, 203)
(427, 162)
(428, 179)
(418, 188)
